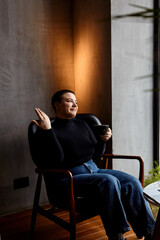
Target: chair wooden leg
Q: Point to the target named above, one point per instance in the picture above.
(33, 220)
(73, 233)
(36, 203)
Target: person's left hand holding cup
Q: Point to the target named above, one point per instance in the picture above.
(107, 135)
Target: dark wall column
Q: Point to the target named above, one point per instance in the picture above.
(156, 83)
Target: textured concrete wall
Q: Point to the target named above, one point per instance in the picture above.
(36, 46)
(131, 84)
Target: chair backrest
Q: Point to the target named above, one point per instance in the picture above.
(90, 119)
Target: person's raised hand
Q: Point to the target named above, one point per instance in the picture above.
(44, 121)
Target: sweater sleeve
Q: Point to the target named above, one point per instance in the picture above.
(99, 150)
(47, 151)
(100, 146)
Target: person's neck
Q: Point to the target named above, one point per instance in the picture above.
(64, 117)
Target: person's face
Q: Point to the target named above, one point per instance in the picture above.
(67, 107)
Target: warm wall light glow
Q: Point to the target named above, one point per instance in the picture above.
(84, 68)
(92, 59)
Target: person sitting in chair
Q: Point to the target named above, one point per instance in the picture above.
(69, 143)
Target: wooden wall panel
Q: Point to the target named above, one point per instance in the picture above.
(92, 57)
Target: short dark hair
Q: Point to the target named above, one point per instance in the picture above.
(57, 97)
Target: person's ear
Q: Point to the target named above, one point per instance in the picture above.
(56, 105)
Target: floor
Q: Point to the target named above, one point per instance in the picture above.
(16, 227)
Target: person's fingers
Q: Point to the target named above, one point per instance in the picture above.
(109, 130)
(39, 112)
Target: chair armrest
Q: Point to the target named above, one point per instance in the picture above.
(60, 171)
(68, 174)
(138, 158)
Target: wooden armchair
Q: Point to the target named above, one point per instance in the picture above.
(74, 215)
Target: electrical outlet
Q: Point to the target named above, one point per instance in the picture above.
(21, 182)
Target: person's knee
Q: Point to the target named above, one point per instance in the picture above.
(131, 187)
(109, 182)
(135, 183)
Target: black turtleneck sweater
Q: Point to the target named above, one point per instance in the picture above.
(70, 142)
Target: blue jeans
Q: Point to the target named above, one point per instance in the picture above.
(117, 196)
